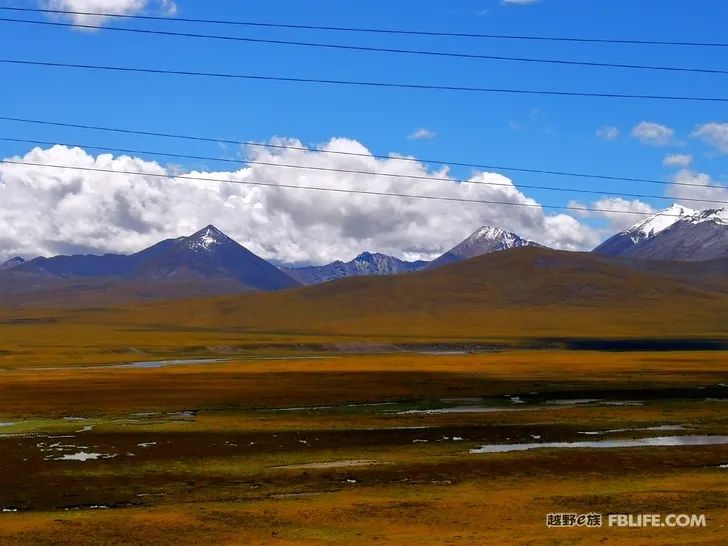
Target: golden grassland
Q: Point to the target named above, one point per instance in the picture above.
(346, 378)
(233, 470)
(237, 324)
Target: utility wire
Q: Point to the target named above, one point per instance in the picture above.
(358, 172)
(448, 54)
(335, 190)
(359, 83)
(400, 31)
(479, 166)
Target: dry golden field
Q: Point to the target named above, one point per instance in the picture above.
(356, 448)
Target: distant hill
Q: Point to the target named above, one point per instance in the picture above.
(366, 263)
(521, 293)
(485, 240)
(676, 233)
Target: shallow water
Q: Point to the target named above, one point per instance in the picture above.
(148, 364)
(165, 363)
(657, 441)
(571, 401)
(657, 428)
(80, 456)
(462, 409)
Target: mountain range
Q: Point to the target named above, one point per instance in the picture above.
(484, 240)
(209, 262)
(676, 233)
(206, 262)
(519, 293)
(366, 263)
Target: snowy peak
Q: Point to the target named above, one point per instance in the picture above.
(209, 254)
(652, 225)
(374, 259)
(12, 262)
(366, 263)
(676, 233)
(490, 233)
(717, 216)
(206, 240)
(484, 240)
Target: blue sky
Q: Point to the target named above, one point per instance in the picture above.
(554, 133)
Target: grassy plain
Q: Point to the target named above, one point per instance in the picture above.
(252, 451)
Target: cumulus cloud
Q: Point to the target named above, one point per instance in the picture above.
(120, 7)
(701, 186)
(620, 213)
(608, 132)
(422, 134)
(48, 211)
(678, 160)
(652, 133)
(715, 134)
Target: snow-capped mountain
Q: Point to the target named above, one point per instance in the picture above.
(645, 229)
(211, 253)
(366, 263)
(208, 254)
(12, 262)
(485, 240)
(689, 236)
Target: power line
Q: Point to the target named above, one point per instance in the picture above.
(335, 190)
(429, 53)
(359, 83)
(480, 166)
(359, 172)
(371, 30)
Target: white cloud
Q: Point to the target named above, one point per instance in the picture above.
(619, 212)
(715, 134)
(697, 189)
(422, 134)
(168, 7)
(678, 160)
(48, 211)
(608, 132)
(519, 2)
(120, 7)
(652, 133)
